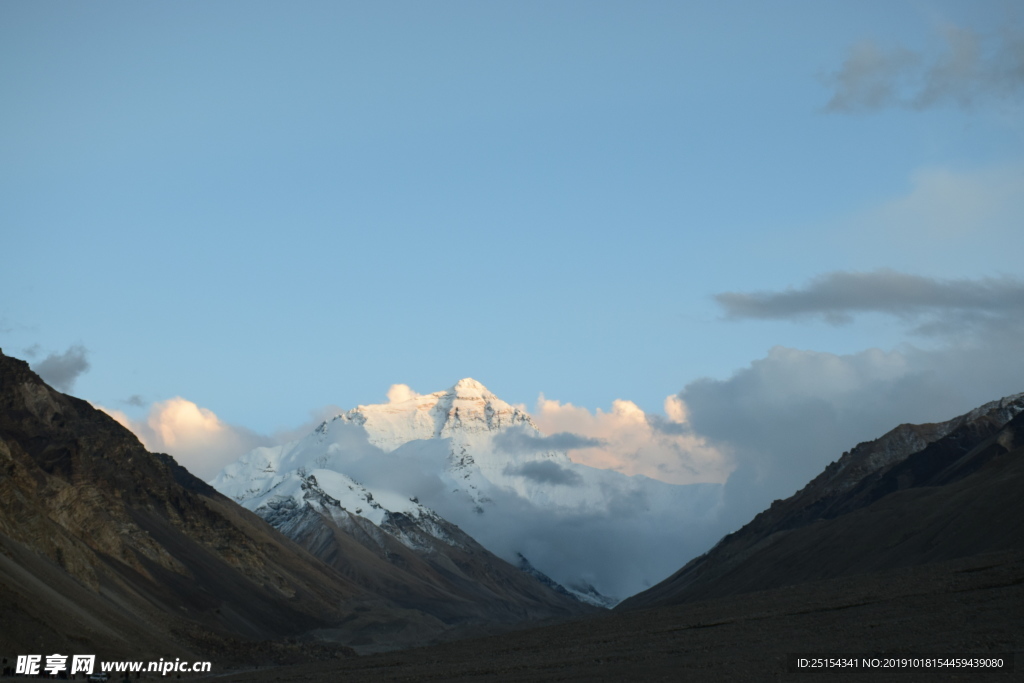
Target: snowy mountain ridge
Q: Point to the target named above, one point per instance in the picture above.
(480, 463)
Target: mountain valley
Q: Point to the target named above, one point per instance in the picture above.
(426, 535)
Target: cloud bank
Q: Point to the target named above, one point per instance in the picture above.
(784, 417)
(628, 440)
(966, 69)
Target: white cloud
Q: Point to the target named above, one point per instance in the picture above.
(676, 410)
(399, 393)
(198, 439)
(636, 443)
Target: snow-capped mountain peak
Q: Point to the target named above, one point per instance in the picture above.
(465, 409)
(468, 386)
(482, 464)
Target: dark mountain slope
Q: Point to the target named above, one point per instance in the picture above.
(104, 543)
(105, 547)
(919, 494)
(446, 573)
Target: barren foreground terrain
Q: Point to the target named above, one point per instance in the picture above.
(971, 605)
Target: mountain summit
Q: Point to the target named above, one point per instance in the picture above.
(466, 457)
(468, 408)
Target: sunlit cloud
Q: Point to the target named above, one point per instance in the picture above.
(633, 442)
(121, 419)
(178, 422)
(399, 393)
(198, 439)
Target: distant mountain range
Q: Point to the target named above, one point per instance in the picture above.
(409, 470)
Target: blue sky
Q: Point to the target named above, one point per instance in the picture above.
(267, 208)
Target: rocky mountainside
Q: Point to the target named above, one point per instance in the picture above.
(106, 548)
(422, 562)
(465, 457)
(918, 494)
